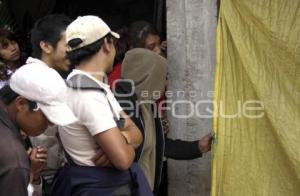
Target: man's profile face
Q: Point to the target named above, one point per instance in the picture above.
(32, 121)
(60, 62)
(111, 56)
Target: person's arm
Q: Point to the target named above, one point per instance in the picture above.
(133, 136)
(187, 150)
(131, 132)
(181, 150)
(115, 147)
(98, 118)
(38, 159)
(127, 99)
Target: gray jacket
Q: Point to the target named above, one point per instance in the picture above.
(14, 161)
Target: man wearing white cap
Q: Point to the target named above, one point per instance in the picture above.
(32, 101)
(91, 49)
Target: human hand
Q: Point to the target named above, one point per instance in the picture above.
(205, 143)
(164, 45)
(101, 159)
(38, 158)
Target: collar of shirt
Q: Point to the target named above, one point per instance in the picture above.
(77, 71)
(36, 61)
(109, 95)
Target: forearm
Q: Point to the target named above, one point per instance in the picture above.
(125, 158)
(35, 178)
(131, 132)
(132, 135)
(182, 150)
(114, 145)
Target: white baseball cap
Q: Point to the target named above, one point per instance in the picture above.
(87, 29)
(43, 85)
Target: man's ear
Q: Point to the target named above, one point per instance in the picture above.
(107, 47)
(21, 103)
(46, 47)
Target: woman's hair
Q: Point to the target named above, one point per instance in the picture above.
(133, 36)
(138, 33)
(123, 44)
(5, 37)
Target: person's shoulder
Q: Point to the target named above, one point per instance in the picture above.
(95, 95)
(13, 153)
(86, 100)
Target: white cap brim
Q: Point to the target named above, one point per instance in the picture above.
(59, 114)
(116, 35)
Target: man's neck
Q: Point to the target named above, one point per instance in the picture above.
(47, 61)
(94, 66)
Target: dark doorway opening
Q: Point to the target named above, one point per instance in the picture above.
(116, 13)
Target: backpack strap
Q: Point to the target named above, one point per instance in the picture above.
(83, 82)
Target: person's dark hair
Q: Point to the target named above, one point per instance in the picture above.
(48, 29)
(78, 55)
(133, 36)
(6, 35)
(138, 33)
(123, 44)
(7, 96)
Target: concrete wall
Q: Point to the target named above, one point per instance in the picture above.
(191, 31)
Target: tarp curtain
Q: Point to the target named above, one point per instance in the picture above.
(257, 99)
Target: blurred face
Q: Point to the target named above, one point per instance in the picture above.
(58, 55)
(9, 51)
(152, 43)
(32, 122)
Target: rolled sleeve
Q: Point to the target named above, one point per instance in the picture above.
(95, 113)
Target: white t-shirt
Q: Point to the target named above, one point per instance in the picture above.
(94, 116)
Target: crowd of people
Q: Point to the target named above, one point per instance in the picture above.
(68, 129)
